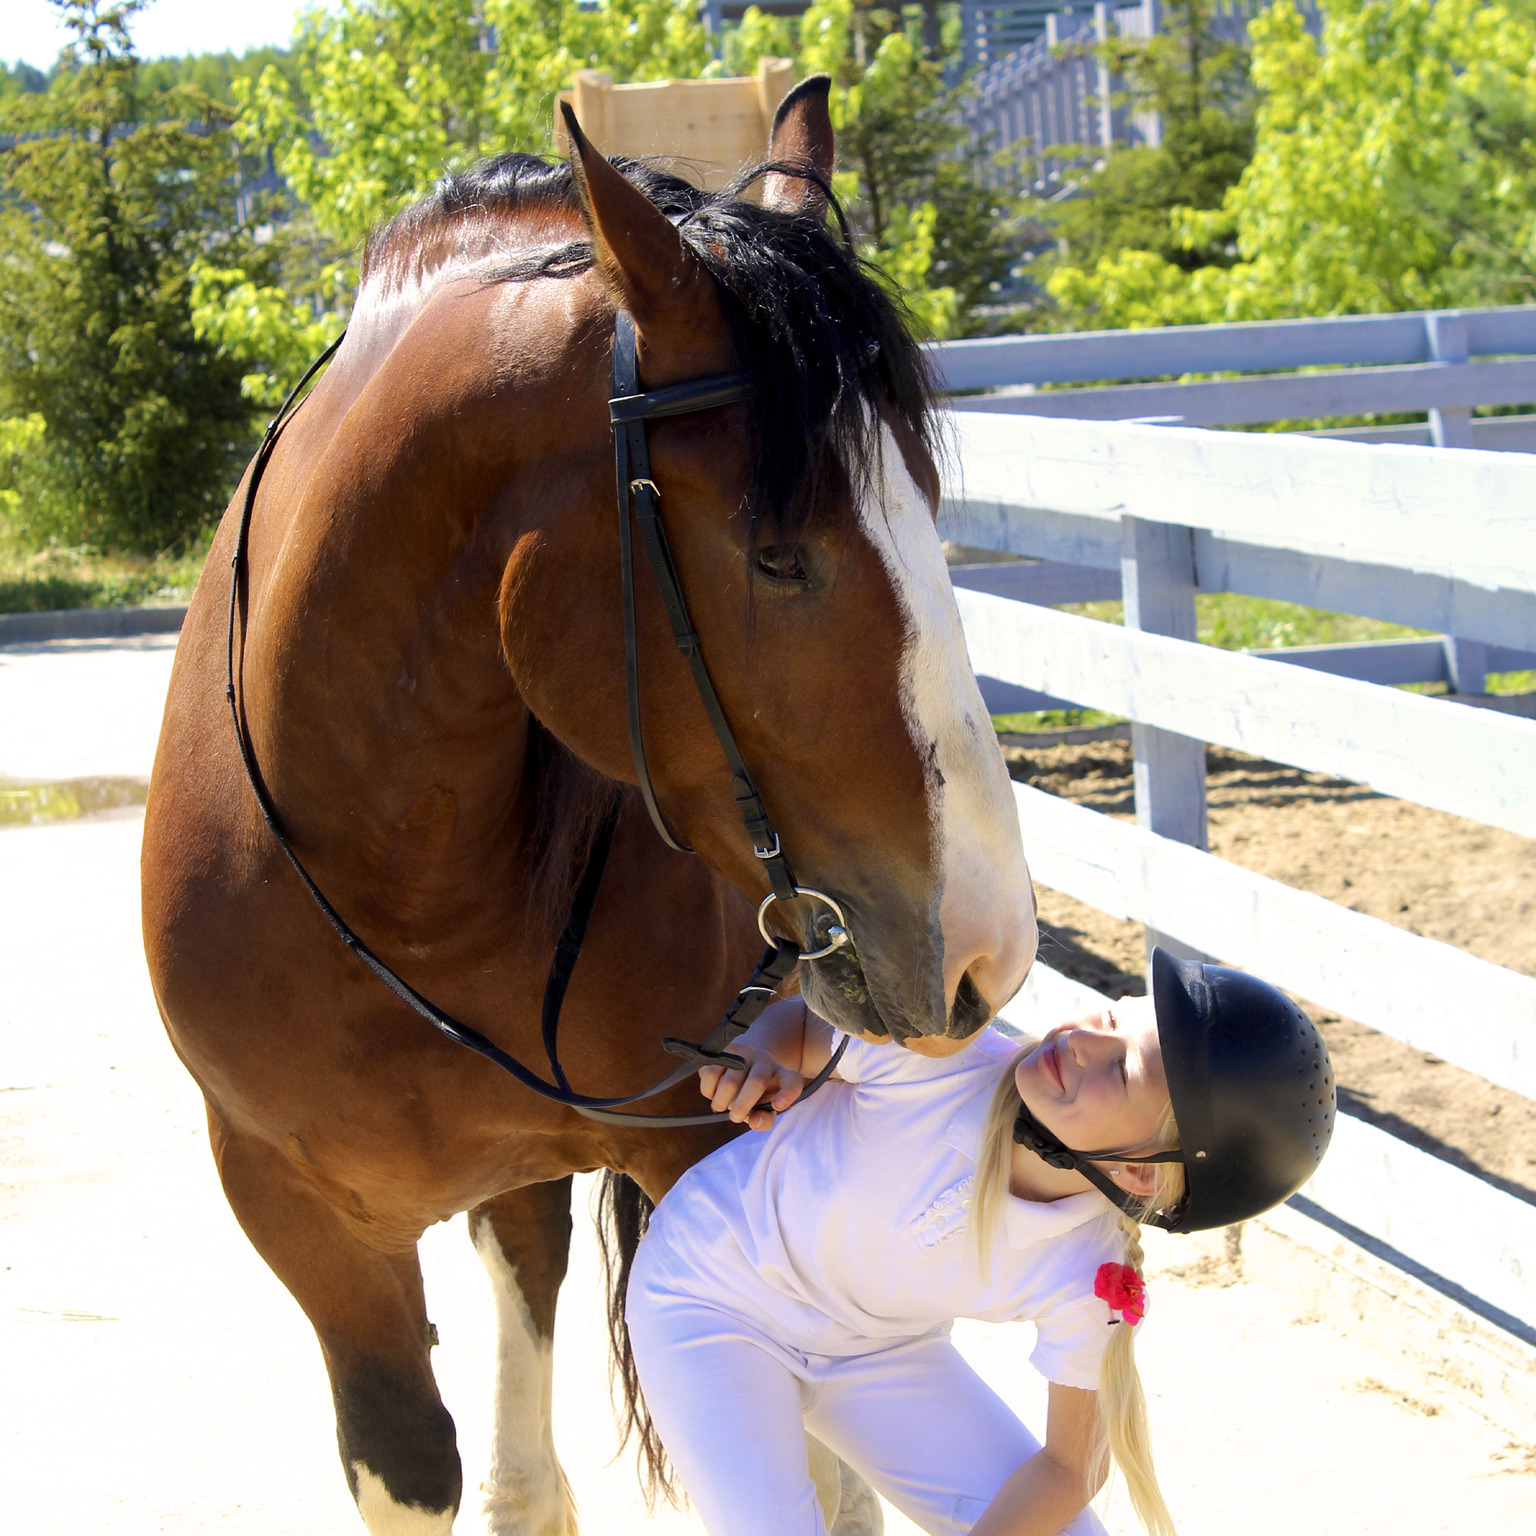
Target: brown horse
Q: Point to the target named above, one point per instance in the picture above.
(432, 670)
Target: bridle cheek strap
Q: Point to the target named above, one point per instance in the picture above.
(640, 502)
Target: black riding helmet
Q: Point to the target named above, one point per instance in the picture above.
(1252, 1092)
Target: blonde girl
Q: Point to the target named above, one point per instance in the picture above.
(806, 1278)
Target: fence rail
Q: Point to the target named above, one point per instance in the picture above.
(1417, 990)
(1437, 538)
(1461, 517)
(1480, 764)
(1255, 346)
(1443, 363)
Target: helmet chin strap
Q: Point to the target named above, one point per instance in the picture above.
(1050, 1149)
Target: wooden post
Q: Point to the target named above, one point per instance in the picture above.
(774, 78)
(706, 131)
(1452, 428)
(592, 98)
(1157, 579)
(1466, 665)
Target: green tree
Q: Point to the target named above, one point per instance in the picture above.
(399, 91)
(1197, 85)
(18, 78)
(109, 199)
(946, 240)
(376, 101)
(214, 74)
(391, 93)
(1392, 169)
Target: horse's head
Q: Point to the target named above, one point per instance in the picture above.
(801, 522)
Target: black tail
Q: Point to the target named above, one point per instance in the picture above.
(623, 1212)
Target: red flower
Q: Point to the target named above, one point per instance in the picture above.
(1123, 1289)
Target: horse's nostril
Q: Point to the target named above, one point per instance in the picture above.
(970, 1011)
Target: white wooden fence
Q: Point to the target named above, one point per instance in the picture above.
(1439, 538)
(1441, 362)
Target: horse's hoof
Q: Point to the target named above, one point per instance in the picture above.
(513, 1511)
(849, 1505)
(858, 1512)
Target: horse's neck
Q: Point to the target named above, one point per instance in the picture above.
(381, 699)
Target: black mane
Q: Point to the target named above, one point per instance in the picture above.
(822, 336)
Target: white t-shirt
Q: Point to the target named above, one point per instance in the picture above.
(847, 1225)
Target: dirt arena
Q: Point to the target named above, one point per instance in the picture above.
(1423, 870)
(137, 1322)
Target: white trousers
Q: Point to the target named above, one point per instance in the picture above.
(732, 1406)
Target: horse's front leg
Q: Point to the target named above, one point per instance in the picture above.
(524, 1240)
(366, 1304)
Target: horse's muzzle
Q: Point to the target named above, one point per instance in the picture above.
(838, 989)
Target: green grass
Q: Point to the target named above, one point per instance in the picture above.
(1053, 720)
(1236, 623)
(1510, 682)
(60, 577)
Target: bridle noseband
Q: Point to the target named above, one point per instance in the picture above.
(638, 499)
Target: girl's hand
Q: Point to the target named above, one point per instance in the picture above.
(738, 1094)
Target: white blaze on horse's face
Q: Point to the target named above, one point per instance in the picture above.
(987, 906)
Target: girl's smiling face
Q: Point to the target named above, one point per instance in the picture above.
(1098, 1083)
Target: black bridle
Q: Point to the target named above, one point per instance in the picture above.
(638, 498)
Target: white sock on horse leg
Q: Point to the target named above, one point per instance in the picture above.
(526, 1493)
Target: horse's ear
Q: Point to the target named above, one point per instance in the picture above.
(649, 269)
(802, 135)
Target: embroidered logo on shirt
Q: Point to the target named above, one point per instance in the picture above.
(946, 1217)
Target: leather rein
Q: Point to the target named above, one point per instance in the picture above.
(639, 503)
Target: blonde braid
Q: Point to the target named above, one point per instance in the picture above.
(1124, 1434)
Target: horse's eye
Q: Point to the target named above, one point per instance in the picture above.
(781, 562)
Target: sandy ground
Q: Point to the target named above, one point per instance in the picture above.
(72, 709)
(158, 1379)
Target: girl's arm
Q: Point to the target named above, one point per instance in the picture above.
(786, 1046)
(1056, 1483)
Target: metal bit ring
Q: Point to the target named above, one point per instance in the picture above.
(837, 935)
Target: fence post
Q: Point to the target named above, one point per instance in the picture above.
(1452, 428)
(1157, 578)
(1466, 665)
